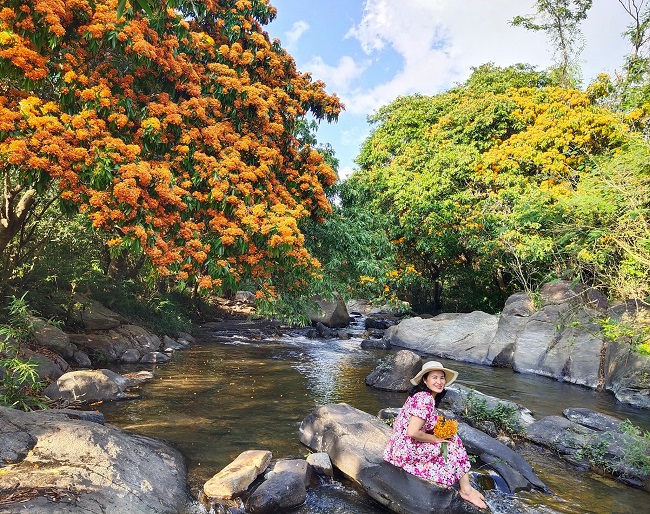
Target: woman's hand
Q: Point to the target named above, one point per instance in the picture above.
(415, 431)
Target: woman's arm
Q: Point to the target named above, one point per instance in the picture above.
(414, 430)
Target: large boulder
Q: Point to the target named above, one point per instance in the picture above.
(456, 336)
(561, 341)
(52, 337)
(514, 317)
(89, 386)
(627, 373)
(355, 442)
(331, 312)
(92, 315)
(51, 463)
(395, 373)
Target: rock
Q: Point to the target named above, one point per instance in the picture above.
(395, 373)
(359, 306)
(245, 297)
(560, 292)
(154, 358)
(592, 419)
(321, 463)
(49, 367)
(511, 466)
(462, 337)
(456, 401)
(131, 356)
(88, 386)
(562, 342)
(627, 374)
(87, 466)
(235, 478)
(331, 312)
(169, 345)
(377, 323)
(81, 359)
(323, 331)
(375, 344)
(110, 345)
(355, 442)
(284, 488)
(52, 337)
(187, 338)
(92, 315)
(514, 317)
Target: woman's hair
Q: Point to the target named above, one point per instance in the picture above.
(437, 398)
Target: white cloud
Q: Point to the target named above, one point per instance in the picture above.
(292, 36)
(439, 41)
(339, 77)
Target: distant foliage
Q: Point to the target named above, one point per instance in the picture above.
(494, 186)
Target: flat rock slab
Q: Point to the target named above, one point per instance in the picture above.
(235, 478)
(54, 464)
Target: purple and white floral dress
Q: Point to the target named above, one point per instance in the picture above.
(421, 459)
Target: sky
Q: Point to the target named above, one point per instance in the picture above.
(369, 52)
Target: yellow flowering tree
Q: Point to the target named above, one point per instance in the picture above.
(478, 188)
(173, 130)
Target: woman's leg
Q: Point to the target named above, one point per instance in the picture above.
(468, 493)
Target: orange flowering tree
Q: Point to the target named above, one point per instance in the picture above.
(174, 131)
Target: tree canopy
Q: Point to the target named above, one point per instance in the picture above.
(499, 184)
(176, 132)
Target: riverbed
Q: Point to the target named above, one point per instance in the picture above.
(225, 395)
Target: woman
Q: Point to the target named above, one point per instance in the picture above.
(414, 448)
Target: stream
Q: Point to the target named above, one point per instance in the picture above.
(227, 394)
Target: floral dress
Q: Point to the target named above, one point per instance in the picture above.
(421, 459)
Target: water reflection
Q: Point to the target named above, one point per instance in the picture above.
(216, 400)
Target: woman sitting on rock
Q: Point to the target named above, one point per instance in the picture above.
(414, 448)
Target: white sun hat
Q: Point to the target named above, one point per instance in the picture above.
(450, 374)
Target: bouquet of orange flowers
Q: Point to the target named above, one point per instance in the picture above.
(444, 429)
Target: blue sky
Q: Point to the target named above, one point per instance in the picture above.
(369, 52)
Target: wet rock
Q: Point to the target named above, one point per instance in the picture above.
(331, 312)
(284, 488)
(511, 466)
(375, 344)
(155, 358)
(321, 463)
(395, 373)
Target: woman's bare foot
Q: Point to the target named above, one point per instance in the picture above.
(474, 497)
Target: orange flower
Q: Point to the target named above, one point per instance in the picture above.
(445, 428)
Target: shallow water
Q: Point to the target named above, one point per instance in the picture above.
(215, 400)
